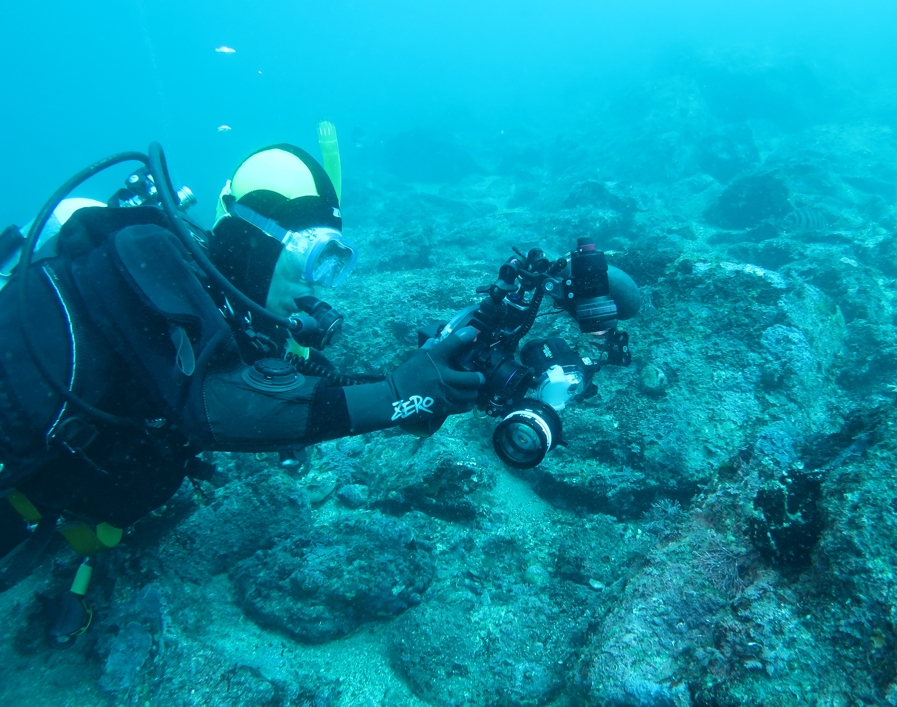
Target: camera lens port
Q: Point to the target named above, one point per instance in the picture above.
(529, 429)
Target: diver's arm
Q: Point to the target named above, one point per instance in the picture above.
(151, 308)
(418, 395)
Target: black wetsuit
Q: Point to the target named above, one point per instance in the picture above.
(122, 316)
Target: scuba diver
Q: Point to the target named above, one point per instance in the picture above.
(133, 340)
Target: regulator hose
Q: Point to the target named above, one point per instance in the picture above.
(341, 380)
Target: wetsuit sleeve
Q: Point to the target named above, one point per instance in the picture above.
(329, 418)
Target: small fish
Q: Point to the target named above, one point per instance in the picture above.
(224, 49)
(804, 220)
(224, 128)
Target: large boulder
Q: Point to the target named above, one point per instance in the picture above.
(316, 587)
(748, 201)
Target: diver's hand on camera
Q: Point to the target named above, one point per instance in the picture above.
(420, 393)
(426, 384)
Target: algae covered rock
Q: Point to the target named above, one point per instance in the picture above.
(242, 518)
(504, 628)
(748, 201)
(699, 626)
(728, 151)
(130, 650)
(133, 646)
(353, 495)
(200, 674)
(511, 650)
(653, 380)
(437, 484)
(319, 586)
(747, 342)
(494, 638)
(440, 476)
(605, 210)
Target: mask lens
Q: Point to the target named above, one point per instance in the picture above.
(321, 255)
(330, 265)
(328, 258)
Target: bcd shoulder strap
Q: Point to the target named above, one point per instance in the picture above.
(91, 226)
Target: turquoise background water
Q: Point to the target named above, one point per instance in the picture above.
(84, 79)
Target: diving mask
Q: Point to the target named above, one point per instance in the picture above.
(322, 255)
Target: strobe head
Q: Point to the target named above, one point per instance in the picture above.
(588, 289)
(528, 431)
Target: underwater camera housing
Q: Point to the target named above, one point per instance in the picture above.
(530, 427)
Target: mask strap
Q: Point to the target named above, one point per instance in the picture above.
(268, 226)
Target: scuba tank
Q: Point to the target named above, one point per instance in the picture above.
(12, 239)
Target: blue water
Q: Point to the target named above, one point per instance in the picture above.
(84, 80)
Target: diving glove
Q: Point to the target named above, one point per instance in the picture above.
(420, 393)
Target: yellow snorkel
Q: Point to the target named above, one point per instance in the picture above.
(330, 155)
